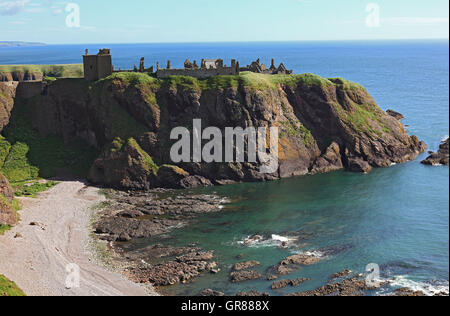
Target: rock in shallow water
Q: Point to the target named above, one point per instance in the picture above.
(209, 292)
(285, 283)
(441, 157)
(245, 265)
(242, 276)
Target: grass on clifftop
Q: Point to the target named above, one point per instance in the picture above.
(9, 288)
(246, 79)
(57, 71)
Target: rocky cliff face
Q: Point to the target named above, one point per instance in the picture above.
(7, 214)
(325, 125)
(7, 96)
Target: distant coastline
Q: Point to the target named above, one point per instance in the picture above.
(20, 44)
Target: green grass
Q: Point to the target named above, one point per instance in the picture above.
(346, 84)
(49, 80)
(246, 79)
(9, 288)
(148, 162)
(132, 78)
(298, 130)
(57, 71)
(4, 229)
(362, 118)
(31, 189)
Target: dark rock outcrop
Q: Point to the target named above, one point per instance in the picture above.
(395, 114)
(5, 188)
(181, 270)
(211, 293)
(245, 265)
(341, 275)
(331, 160)
(7, 97)
(285, 283)
(441, 157)
(145, 214)
(242, 276)
(355, 286)
(408, 292)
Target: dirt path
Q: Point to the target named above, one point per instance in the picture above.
(37, 261)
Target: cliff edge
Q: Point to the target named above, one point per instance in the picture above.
(325, 125)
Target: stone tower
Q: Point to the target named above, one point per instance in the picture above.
(98, 66)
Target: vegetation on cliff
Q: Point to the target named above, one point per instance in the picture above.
(325, 125)
(244, 79)
(9, 288)
(56, 71)
(25, 155)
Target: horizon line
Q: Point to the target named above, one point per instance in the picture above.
(238, 42)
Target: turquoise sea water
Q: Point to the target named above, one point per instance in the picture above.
(396, 217)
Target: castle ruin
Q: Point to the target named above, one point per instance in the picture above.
(100, 66)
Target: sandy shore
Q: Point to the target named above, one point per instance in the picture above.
(37, 261)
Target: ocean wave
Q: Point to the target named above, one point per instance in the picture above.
(444, 138)
(428, 288)
(257, 241)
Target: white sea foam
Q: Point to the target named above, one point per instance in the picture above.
(429, 289)
(257, 241)
(280, 238)
(445, 138)
(316, 254)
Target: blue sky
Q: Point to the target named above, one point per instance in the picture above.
(137, 21)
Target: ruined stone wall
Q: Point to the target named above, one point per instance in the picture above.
(197, 73)
(104, 66)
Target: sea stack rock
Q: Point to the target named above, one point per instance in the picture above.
(441, 157)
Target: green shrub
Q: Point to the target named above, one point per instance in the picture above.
(9, 288)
